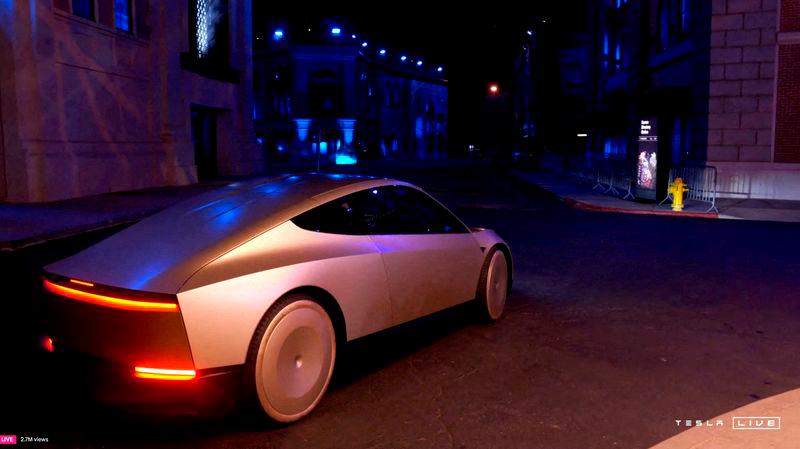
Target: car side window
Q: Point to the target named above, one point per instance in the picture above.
(352, 214)
(404, 210)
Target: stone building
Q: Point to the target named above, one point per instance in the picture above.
(754, 104)
(331, 95)
(110, 95)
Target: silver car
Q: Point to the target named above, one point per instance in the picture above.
(265, 280)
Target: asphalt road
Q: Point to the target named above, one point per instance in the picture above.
(617, 326)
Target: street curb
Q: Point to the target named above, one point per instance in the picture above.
(582, 205)
(576, 204)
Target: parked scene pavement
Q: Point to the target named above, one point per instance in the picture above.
(591, 195)
(618, 325)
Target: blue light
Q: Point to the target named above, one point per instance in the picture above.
(277, 35)
(382, 52)
(281, 148)
(260, 140)
(364, 44)
(323, 148)
(374, 191)
(440, 69)
(419, 63)
(403, 58)
(345, 159)
(336, 31)
(530, 32)
(353, 36)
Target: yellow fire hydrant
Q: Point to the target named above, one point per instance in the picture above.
(676, 189)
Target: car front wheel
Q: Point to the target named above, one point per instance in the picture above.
(291, 358)
(493, 285)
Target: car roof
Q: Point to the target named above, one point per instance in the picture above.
(161, 252)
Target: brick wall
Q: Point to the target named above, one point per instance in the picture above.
(787, 118)
(742, 77)
(790, 15)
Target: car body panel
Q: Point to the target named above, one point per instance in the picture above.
(161, 252)
(249, 279)
(428, 273)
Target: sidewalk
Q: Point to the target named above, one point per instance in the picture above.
(25, 224)
(768, 423)
(581, 196)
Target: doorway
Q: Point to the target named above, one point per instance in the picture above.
(204, 138)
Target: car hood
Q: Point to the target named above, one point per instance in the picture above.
(160, 253)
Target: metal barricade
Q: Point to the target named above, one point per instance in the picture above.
(614, 184)
(702, 183)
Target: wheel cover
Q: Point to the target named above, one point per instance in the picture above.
(497, 285)
(295, 360)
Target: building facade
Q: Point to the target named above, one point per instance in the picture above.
(327, 95)
(109, 95)
(716, 80)
(754, 107)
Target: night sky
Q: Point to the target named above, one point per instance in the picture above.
(477, 45)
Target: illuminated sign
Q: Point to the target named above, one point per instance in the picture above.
(647, 160)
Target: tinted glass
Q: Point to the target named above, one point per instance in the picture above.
(122, 14)
(83, 8)
(404, 210)
(352, 214)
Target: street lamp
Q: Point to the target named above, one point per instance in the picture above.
(494, 89)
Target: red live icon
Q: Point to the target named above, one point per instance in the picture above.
(8, 439)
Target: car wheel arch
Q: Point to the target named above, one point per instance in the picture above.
(507, 252)
(328, 302)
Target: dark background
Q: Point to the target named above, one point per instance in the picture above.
(476, 44)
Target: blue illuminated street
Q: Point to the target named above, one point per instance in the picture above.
(617, 326)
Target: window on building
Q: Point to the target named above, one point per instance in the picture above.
(613, 43)
(123, 15)
(83, 8)
(209, 29)
(674, 21)
(117, 14)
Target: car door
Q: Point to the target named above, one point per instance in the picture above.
(348, 263)
(432, 260)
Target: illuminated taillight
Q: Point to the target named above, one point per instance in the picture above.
(47, 344)
(163, 374)
(139, 302)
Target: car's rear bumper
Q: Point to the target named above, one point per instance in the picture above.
(99, 351)
(89, 378)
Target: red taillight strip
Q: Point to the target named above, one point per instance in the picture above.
(75, 281)
(163, 374)
(110, 301)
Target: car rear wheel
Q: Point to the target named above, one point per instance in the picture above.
(291, 358)
(493, 285)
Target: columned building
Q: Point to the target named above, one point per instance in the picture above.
(109, 95)
(328, 95)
